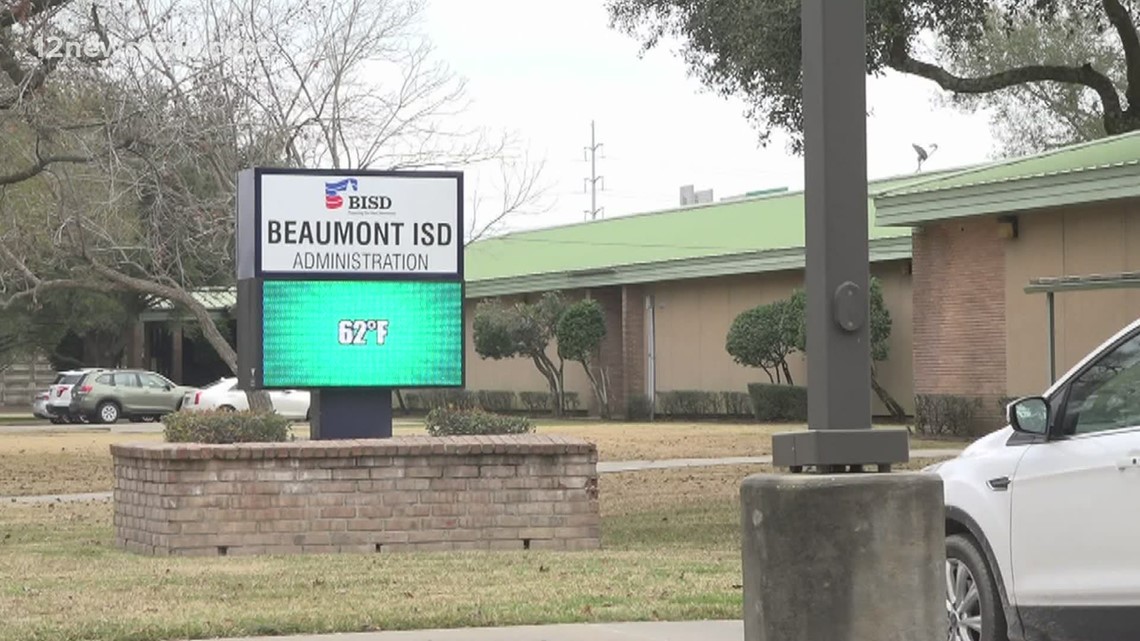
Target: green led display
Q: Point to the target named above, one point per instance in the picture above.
(362, 334)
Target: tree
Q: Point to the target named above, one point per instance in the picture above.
(580, 333)
(125, 180)
(879, 325)
(524, 330)
(751, 48)
(1037, 117)
(764, 337)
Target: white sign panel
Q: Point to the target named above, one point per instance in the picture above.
(360, 224)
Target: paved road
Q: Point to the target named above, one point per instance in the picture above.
(648, 631)
(604, 467)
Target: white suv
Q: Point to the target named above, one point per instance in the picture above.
(59, 395)
(1043, 516)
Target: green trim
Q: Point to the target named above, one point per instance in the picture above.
(1075, 187)
(881, 250)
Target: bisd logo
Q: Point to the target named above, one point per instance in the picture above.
(361, 204)
(333, 199)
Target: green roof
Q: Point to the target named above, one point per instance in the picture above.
(763, 224)
(1100, 170)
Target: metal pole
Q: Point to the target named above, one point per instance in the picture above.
(1052, 338)
(837, 260)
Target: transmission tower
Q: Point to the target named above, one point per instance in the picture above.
(591, 183)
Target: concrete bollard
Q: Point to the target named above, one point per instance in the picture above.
(850, 557)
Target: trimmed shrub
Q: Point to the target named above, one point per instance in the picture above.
(947, 414)
(572, 401)
(772, 403)
(496, 401)
(687, 403)
(463, 399)
(443, 421)
(736, 403)
(224, 427)
(536, 401)
(639, 407)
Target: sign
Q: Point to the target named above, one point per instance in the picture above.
(354, 224)
(350, 280)
(347, 334)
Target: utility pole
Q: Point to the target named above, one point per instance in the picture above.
(591, 154)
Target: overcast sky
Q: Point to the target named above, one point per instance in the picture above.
(545, 68)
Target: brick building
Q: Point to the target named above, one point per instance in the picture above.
(981, 235)
(955, 251)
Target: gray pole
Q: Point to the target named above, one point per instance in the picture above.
(837, 271)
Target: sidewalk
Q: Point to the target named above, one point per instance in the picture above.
(648, 631)
(604, 467)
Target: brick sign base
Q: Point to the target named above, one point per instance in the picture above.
(410, 493)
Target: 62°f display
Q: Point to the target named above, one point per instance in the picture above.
(362, 334)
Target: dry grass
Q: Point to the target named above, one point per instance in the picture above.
(670, 551)
(77, 462)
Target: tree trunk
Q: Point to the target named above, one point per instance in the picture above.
(896, 410)
(787, 372)
(400, 401)
(542, 362)
(601, 394)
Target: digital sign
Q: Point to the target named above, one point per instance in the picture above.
(350, 281)
(345, 334)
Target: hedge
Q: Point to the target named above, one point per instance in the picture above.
(952, 415)
(467, 422)
(224, 427)
(771, 402)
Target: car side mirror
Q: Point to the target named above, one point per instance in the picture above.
(1029, 415)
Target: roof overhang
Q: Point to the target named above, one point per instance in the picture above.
(1042, 192)
(882, 249)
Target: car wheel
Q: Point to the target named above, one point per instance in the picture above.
(226, 408)
(58, 420)
(107, 412)
(973, 605)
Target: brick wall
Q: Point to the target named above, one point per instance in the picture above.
(410, 493)
(959, 314)
(613, 347)
(634, 347)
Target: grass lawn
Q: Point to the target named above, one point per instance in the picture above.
(671, 551)
(77, 462)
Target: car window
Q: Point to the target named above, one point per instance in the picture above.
(153, 381)
(1107, 395)
(105, 379)
(69, 379)
(127, 379)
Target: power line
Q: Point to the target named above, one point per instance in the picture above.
(591, 183)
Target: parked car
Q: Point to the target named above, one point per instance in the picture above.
(40, 406)
(59, 394)
(224, 394)
(1043, 516)
(107, 395)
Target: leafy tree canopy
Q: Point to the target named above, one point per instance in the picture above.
(751, 48)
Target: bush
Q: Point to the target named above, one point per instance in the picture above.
(221, 427)
(536, 401)
(778, 402)
(687, 403)
(496, 401)
(736, 403)
(571, 401)
(639, 407)
(468, 422)
(432, 399)
(947, 415)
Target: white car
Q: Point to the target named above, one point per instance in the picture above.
(59, 395)
(224, 394)
(1043, 516)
